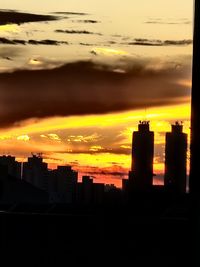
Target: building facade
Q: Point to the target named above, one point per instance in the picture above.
(176, 159)
(141, 174)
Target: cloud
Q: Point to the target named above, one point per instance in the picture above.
(39, 62)
(86, 87)
(11, 42)
(86, 44)
(46, 42)
(150, 42)
(168, 22)
(87, 21)
(114, 170)
(31, 42)
(98, 150)
(70, 13)
(10, 52)
(76, 32)
(11, 16)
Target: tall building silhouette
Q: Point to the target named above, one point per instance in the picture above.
(13, 167)
(35, 171)
(141, 174)
(62, 184)
(175, 159)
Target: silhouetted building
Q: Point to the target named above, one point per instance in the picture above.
(176, 159)
(125, 184)
(141, 175)
(63, 183)
(16, 191)
(35, 172)
(98, 193)
(110, 187)
(13, 167)
(88, 192)
(87, 188)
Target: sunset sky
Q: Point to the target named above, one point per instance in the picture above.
(76, 78)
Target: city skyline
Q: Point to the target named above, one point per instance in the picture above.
(151, 62)
(141, 173)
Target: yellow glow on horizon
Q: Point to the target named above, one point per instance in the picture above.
(5, 137)
(110, 51)
(95, 148)
(122, 124)
(155, 115)
(53, 136)
(9, 28)
(35, 62)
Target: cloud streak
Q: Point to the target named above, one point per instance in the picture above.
(168, 22)
(85, 87)
(150, 42)
(46, 42)
(76, 32)
(11, 16)
(30, 42)
(87, 21)
(70, 13)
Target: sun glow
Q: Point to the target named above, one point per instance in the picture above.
(109, 51)
(9, 28)
(24, 137)
(155, 115)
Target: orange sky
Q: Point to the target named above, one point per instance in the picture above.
(130, 73)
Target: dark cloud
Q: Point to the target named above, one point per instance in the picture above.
(76, 32)
(11, 16)
(169, 22)
(70, 13)
(11, 42)
(118, 151)
(114, 170)
(10, 52)
(107, 172)
(31, 42)
(86, 44)
(112, 42)
(46, 42)
(85, 87)
(7, 58)
(93, 53)
(87, 21)
(149, 42)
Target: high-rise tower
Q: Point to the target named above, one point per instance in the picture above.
(175, 159)
(142, 157)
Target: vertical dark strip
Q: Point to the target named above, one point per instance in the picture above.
(194, 182)
(194, 179)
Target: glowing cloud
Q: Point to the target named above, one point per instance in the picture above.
(108, 51)
(24, 137)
